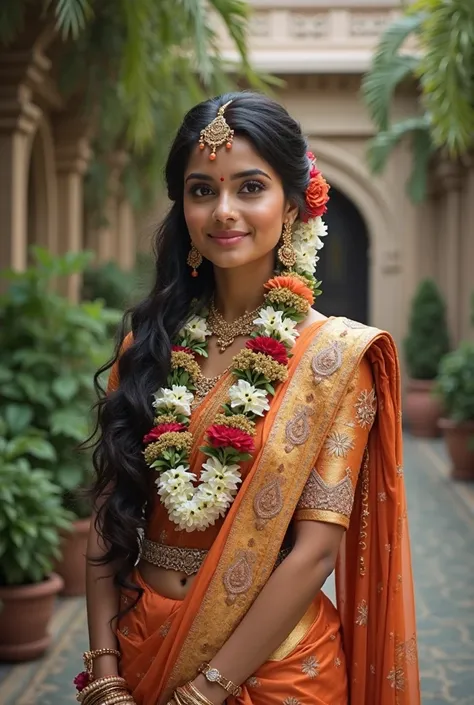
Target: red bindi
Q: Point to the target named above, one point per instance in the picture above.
(222, 178)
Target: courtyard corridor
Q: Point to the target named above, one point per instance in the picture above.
(442, 533)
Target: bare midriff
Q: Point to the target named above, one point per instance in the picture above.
(168, 583)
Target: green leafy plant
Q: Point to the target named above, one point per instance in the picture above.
(50, 350)
(443, 65)
(455, 383)
(116, 287)
(31, 511)
(427, 340)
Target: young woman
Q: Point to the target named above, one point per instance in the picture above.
(248, 447)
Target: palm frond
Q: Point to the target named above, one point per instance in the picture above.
(380, 83)
(446, 72)
(395, 36)
(422, 150)
(71, 16)
(382, 145)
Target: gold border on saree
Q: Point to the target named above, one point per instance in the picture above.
(297, 635)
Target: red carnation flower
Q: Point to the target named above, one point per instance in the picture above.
(81, 681)
(162, 428)
(182, 348)
(222, 436)
(269, 346)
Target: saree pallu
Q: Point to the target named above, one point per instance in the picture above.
(164, 641)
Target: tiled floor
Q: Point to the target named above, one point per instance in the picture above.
(442, 531)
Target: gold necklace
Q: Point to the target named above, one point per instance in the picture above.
(226, 332)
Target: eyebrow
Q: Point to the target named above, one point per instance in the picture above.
(239, 175)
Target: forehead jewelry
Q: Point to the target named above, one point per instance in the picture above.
(217, 133)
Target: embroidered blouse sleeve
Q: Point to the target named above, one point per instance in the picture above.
(329, 492)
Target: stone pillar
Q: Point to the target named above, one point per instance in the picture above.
(451, 182)
(107, 237)
(126, 238)
(19, 118)
(72, 157)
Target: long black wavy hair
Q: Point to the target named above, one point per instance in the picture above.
(123, 483)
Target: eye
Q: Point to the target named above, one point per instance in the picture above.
(252, 187)
(201, 190)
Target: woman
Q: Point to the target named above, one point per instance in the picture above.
(252, 445)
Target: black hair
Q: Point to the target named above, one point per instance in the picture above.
(123, 481)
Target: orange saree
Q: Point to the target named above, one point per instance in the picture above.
(363, 653)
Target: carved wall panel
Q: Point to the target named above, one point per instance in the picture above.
(304, 25)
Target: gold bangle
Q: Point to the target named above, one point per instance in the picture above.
(118, 699)
(97, 697)
(89, 657)
(214, 676)
(197, 694)
(100, 684)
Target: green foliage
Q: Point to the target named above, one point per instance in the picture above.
(427, 340)
(116, 287)
(444, 66)
(455, 383)
(141, 65)
(50, 350)
(31, 511)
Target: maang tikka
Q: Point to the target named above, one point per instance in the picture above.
(217, 133)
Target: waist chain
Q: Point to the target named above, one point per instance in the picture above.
(185, 560)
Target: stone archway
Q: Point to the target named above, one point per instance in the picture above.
(348, 175)
(42, 189)
(344, 266)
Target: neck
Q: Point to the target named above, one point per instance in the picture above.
(240, 289)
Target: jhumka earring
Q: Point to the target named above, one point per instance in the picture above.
(217, 133)
(286, 253)
(194, 260)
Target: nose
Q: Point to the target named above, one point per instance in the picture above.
(224, 210)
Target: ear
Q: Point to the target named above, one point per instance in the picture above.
(291, 212)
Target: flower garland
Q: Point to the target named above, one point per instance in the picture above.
(262, 364)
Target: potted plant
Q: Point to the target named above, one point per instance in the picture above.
(455, 387)
(31, 518)
(50, 350)
(426, 343)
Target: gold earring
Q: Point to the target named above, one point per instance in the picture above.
(286, 253)
(194, 260)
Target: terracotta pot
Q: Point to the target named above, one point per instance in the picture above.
(25, 613)
(421, 409)
(72, 566)
(459, 439)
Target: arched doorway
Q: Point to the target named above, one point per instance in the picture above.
(344, 263)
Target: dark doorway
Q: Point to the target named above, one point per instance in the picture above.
(343, 265)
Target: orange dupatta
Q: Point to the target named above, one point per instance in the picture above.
(374, 582)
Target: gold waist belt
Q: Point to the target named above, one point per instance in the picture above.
(184, 560)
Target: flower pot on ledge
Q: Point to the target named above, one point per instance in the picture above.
(72, 565)
(422, 410)
(25, 613)
(459, 438)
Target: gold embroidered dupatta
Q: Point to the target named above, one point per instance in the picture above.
(244, 553)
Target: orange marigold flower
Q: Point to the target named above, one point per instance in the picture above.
(293, 284)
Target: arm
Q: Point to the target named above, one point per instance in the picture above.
(311, 561)
(103, 601)
(320, 519)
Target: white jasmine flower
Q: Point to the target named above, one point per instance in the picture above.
(268, 318)
(306, 257)
(310, 233)
(175, 399)
(196, 328)
(287, 332)
(175, 485)
(245, 395)
(221, 478)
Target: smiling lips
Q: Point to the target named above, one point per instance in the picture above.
(228, 237)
